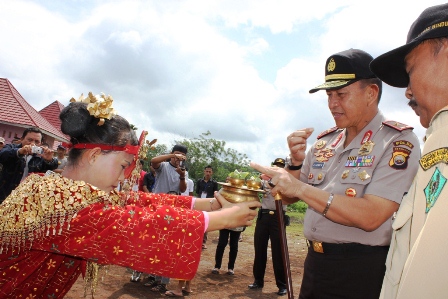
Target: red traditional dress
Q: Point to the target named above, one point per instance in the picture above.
(52, 226)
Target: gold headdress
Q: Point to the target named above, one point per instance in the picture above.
(98, 106)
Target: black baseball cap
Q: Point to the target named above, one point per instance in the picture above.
(180, 148)
(390, 66)
(345, 68)
(279, 162)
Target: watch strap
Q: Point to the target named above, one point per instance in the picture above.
(292, 167)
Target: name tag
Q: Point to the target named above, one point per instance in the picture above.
(318, 165)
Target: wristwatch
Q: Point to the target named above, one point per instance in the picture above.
(292, 167)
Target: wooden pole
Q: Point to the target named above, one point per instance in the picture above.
(284, 244)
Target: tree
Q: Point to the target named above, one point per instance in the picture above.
(154, 151)
(204, 151)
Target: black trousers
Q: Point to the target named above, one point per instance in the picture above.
(222, 243)
(345, 275)
(267, 229)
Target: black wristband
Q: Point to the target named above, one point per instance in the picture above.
(182, 178)
(292, 167)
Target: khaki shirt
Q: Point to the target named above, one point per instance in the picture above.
(384, 169)
(417, 261)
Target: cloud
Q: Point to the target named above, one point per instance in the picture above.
(239, 69)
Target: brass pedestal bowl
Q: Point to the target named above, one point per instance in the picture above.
(236, 194)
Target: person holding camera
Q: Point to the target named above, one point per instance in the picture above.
(18, 160)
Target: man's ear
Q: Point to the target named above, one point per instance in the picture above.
(373, 91)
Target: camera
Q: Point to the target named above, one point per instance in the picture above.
(182, 164)
(36, 149)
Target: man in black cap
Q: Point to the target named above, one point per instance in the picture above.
(417, 263)
(170, 175)
(267, 228)
(62, 159)
(353, 179)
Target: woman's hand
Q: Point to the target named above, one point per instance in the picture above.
(232, 215)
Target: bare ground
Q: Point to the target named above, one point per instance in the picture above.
(116, 283)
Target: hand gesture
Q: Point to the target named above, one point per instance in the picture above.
(297, 144)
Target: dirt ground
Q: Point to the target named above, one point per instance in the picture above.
(116, 283)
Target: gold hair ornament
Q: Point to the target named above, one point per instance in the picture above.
(99, 106)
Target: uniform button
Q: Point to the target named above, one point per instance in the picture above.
(313, 229)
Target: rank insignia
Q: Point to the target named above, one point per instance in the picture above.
(337, 139)
(366, 148)
(320, 144)
(351, 192)
(345, 174)
(363, 175)
(366, 137)
(399, 158)
(434, 188)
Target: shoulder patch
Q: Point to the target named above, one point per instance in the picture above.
(397, 125)
(326, 132)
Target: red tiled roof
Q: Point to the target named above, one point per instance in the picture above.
(51, 114)
(15, 110)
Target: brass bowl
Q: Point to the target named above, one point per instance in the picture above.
(236, 182)
(238, 194)
(253, 184)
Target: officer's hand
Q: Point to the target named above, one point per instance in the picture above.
(297, 144)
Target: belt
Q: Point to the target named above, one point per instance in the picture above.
(267, 211)
(333, 248)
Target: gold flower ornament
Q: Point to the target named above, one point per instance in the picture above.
(99, 106)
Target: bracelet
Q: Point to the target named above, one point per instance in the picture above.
(181, 178)
(211, 203)
(330, 199)
(293, 167)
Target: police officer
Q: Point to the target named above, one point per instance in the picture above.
(353, 179)
(267, 228)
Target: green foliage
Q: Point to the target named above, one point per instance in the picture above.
(204, 151)
(299, 206)
(154, 151)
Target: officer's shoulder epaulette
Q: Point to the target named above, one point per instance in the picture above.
(326, 132)
(397, 125)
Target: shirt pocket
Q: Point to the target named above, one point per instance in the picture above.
(316, 176)
(353, 181)
(399, 247)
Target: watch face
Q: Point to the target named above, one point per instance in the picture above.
(288, 160)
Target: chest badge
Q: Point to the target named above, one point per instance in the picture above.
(434, 188)
(320, 144)
(366, 148)
(351, 192)
(363, 175)
(323, 155)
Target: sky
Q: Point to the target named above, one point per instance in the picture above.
(240, 69)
